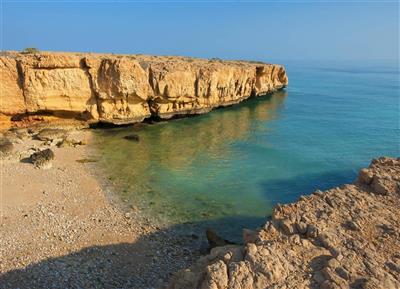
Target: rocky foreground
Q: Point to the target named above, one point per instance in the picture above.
(346, 237)
(125, 88)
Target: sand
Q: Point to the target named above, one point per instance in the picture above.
(61, 229)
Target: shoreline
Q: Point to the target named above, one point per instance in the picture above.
(64, 222)
(65, 226)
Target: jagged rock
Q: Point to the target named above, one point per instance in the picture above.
(365, 176)
(329, 252)
(128, 88)
(249, 236)
(301, 227)
(312, 231)
(214, 240)
(42, 159)
(217, 276)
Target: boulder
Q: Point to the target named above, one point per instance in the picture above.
(42, 159)
(6, 147)
(51, 134)
(132, 137)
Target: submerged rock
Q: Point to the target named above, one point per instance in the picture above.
(346, 237)
(132, 137)
(42, 159)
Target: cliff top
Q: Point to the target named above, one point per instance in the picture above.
(139, 57)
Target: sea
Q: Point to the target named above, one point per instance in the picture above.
(227, 169)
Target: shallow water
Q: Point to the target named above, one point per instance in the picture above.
(235, 163)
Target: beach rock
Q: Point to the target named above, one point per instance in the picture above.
(42, 159)
(122, 89)
(354, 246)
(51, 134)
(249, 236)
(6, 147)
(214, 240)
(71, 142)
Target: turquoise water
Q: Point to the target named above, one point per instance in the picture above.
(237, 162)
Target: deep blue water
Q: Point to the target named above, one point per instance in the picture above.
(237, 162)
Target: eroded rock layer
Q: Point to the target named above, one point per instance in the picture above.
(128, 88)
(346, 237)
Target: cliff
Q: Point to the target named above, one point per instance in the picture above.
(127, 88)
(346, 237)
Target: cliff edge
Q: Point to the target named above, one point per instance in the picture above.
(126, 88)
(346, 237)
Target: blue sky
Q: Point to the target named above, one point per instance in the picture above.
(267, 31)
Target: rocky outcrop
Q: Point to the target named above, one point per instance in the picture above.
(127, 88)
(346, 237)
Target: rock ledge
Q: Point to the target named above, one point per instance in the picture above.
(346, 237)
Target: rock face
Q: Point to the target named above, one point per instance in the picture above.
(346, 237)
(128, 88)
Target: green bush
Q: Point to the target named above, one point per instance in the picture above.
(30, 50)
(216, 59)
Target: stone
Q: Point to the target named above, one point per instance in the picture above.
(286, 226)
(70, 141)
(249, 236)
(378, 185)
(319, 277)
(214, 240)
(42, 159)
(132, 137)
(351, 225)
(342, 273)
(365, 176)
(312, 231)
(301, 227)
(51, 134)
(333, 263)
(216, 276)
(6, 147)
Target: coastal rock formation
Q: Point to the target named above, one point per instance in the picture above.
(127, 88)
(346, 237)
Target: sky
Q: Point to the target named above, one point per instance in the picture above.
(289, 30)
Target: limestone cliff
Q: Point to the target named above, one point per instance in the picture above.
(127, 88)
(346, 237)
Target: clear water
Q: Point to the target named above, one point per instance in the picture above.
(235, 163)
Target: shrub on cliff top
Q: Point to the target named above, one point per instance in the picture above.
(30, 50)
